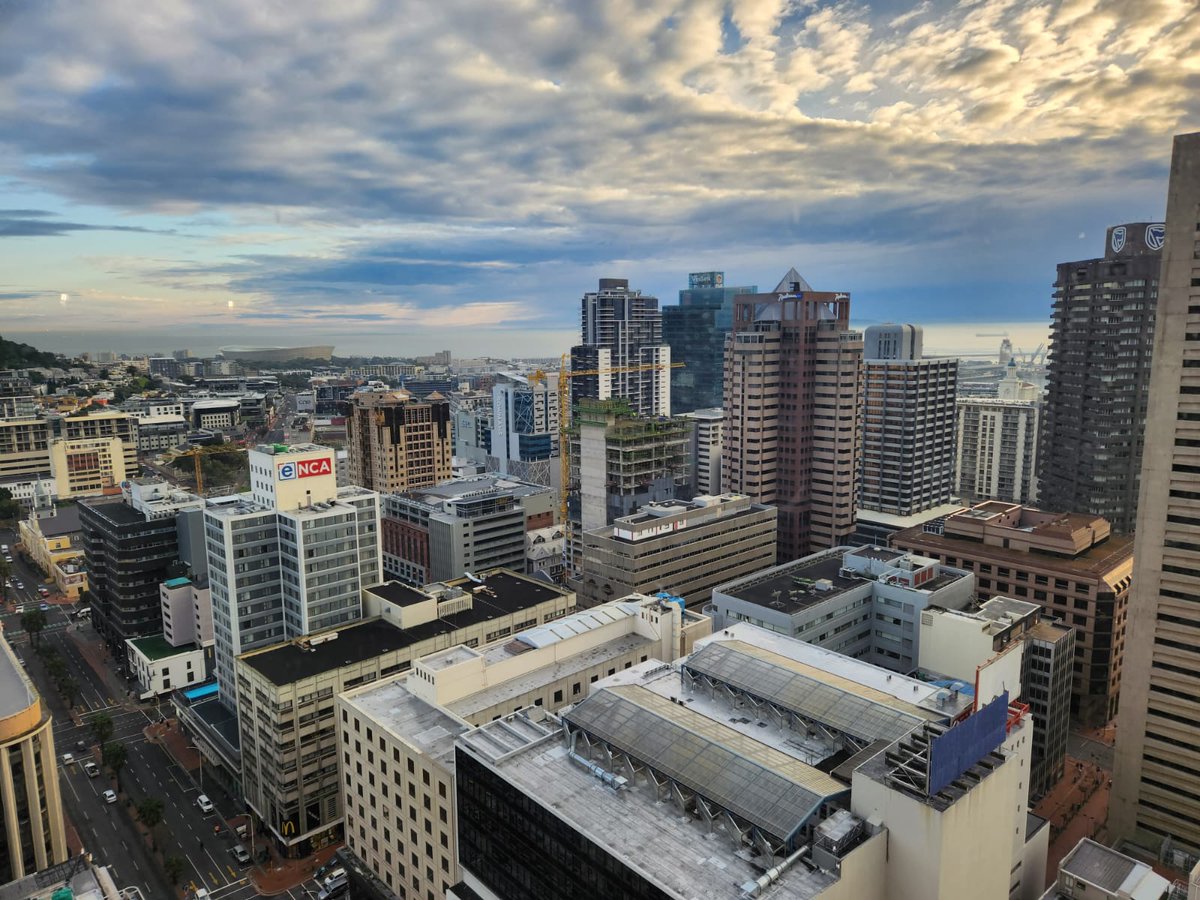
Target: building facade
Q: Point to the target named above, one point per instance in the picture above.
(907, 423)
(1101, 344)
(997, 443)
(685, 548)
(695, 331)
(706, 448)
(524, 428)
(462, 525)
(289, 558)
(397, 442)
(622, 330)
(1156, 782)
(131, 544)
(1071, 565)
(791, 432)
(32, 831)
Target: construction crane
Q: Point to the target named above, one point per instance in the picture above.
(196, 453)
(564, 446)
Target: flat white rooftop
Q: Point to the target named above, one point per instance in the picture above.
(428, 728)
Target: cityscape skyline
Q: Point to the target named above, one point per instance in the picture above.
(908, 156)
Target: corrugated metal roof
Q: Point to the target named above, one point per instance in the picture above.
(576, 623)
(760, 784)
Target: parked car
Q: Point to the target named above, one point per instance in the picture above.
(204, 803)
(43, 592)
(81, 746)
(334, 889)
(239, 853)
(110, 796)
(91, 768)
(44, 607)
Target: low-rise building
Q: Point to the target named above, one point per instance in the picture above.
(216, 415)
(683, 547)
(865, 602)
(161, 432)
(88, 466)
(1092, 870)
(544, 552)
(160, 667)
(1070, 564)
(24, 450)
(397, 736)
(288, 747)
(55, 540)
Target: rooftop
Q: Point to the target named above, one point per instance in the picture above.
(155, 647)
(790, 588)
(398, 593)
(428, 728)
(631, 824)
(1113, 872)
(64, 521)
(16, 690)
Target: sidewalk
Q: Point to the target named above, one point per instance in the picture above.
(95, 654)
(1076, 807)
(170, 736)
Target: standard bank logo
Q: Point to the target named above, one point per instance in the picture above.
(1156, 235)
(287, 472)
(1118, 239)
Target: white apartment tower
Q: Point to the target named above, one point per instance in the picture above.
(997, 443)
(289, 558)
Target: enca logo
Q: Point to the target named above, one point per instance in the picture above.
(305, 469)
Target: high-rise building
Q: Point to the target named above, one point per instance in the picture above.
(396, 441)
(997, 443)
(101, 425)
(524, 439)
(290, 557)
(1156, 782)
(1090, 450)
(621, 461)
(622, 329)
(706, 448)
(695, 331)
(16, 396)
(131, 544)
(793, 370)
(33, 834)
(907, 423)
(1070, 564)
(685, 548)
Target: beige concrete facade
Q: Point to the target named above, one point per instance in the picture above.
(111, 423)
(24, 448)
(397, 442)
(87, 466)
(34, 833)
(1156, 782)
(684, 548)
(793, 370)
(1069, 564)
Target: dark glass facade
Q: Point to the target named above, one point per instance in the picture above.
(523, 851)
(1098, 378)
(695, 331)
(127, 559)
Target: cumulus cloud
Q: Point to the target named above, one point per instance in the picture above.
(451, 153)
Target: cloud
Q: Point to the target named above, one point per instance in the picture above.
(440, 155)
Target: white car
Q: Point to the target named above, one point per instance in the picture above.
(110, 796)
(91, 768)
(204, 803)
(68, 759)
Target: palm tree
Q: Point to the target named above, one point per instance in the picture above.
(33, 622)
(173, 866)
(114, 756)
(5, 571)
(102, 728)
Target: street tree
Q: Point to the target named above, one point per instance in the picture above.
(5, 572)
(102, 728)
(69, 688)
(173, 866)
(33, 622)
(114, 755)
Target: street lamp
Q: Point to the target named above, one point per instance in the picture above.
(199, 756)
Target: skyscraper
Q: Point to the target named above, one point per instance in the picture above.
(908, 423)
(997, 443)
(791, 438)
(622, 328)
(695, 331)
(397, 442)
(524, 436)
(1156, 781)
(1090, 448)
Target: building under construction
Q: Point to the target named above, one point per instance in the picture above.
(621, 461)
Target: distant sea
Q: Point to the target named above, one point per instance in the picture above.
(958, 339)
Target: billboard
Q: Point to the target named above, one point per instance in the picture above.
(305, 468)
(966, 743)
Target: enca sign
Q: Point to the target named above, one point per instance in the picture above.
(305, 468)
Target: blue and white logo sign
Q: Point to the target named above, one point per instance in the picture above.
(287, 472)
(1118, 239)
(1156, 235)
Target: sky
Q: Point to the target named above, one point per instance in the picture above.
(400, 177)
